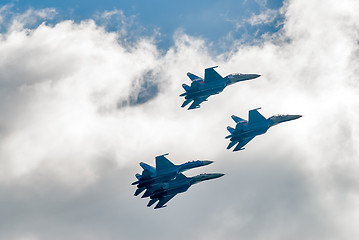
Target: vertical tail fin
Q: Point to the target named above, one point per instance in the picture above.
(255, 116)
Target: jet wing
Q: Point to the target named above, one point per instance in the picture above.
(255, 116)
(210, 75)
(197, 102)
(163, 165)
(163, 200)
(242, 143)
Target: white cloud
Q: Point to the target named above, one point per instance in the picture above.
(268, 16)
(69, 150)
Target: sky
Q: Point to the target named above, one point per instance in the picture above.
(89, 90)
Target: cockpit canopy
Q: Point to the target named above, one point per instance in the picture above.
(234, 75)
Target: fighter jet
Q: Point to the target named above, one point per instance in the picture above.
(166, 191)
(256, 125)
(212, 84)
(165, 170)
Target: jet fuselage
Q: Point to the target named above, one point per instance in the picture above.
(212, 84)
(250, 130)
(170, 172)
(256, 125)
(201, 89)
(175, 187)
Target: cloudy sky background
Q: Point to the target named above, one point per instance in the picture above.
(90, 90)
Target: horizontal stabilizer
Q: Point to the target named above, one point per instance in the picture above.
(151, 202)
(148, 193)
(195, 105)
(139, 190)
(186, 102)
(147, 167)
(186, 87)
(231, 144)
(230, 129)
(238, 119)
(193, 77)
(238, 148)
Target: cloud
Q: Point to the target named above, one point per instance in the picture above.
(268, 16)
(73, 128)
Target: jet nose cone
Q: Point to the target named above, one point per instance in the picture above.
(293, 117)
(216, 175)
(206, 162)
(256, 75)
(252, 76)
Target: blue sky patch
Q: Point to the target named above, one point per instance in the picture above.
(219, 22)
